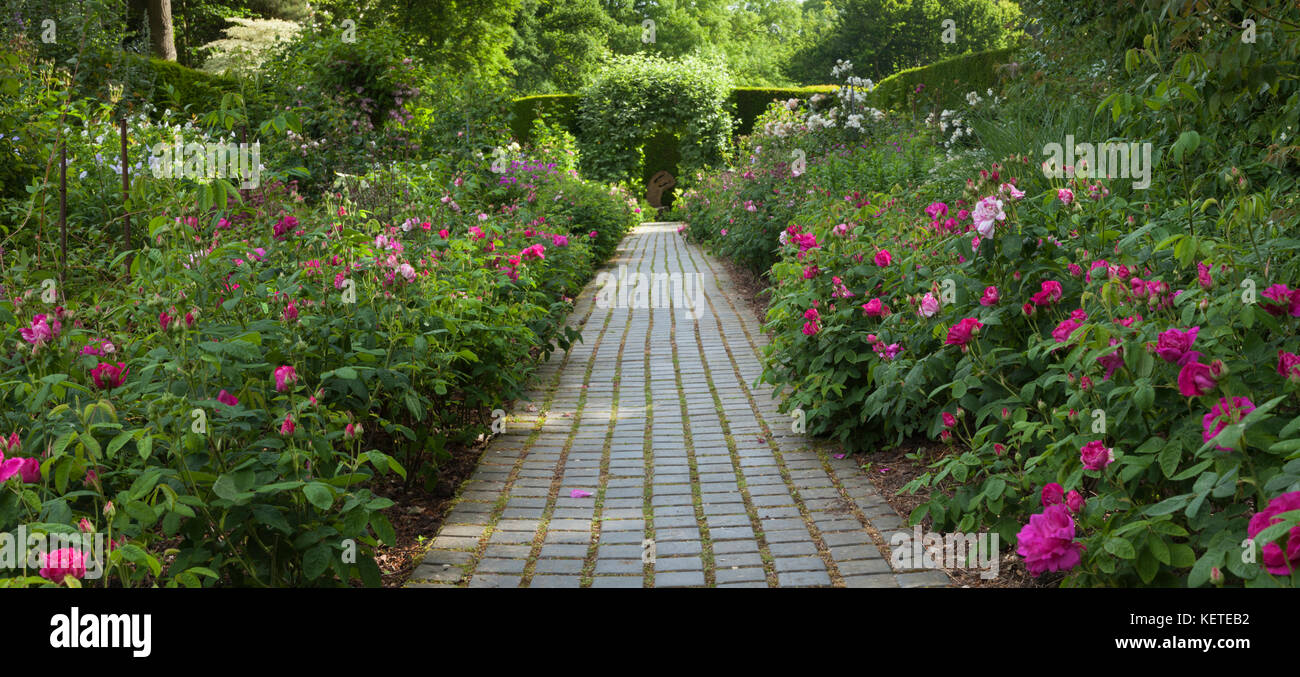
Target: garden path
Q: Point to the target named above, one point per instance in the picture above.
(695, 478)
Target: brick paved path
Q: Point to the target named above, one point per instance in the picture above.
(695, 478)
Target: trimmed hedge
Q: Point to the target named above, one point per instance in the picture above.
(564, 108)
(946, 82)
(750, 102)
(747, 104)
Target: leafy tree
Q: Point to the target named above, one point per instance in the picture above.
(882, 36)
(558, 43)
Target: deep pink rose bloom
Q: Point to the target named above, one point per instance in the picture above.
(810, 328)
(1275, 559)
(960, 334)
(1214, 422)
(1065, 195)
(61, 563)
(1172, 344)
(41, 331)
(1052, 494)
(285, 376)
(227, 399)
(1203, 276)
(1288, 300)
(1074, 501)
(875, 308)
(1112, 361)
(936, 209)
(1047, 541)
(990, 296)
(1050, 293)
(30, 470)
(108, 376)
(810, 272)
(948, 419)
(1096, 455)
(1288, 365)
(10, 467)
(1064, 329)
(1196, 379)
(287, 427)
(883, 258)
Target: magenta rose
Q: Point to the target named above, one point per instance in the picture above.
(949, 420)
(1047, 541)
(1096, 455)
(1288, 365)
(1172, 344)
(990, 297)
(960, 334)
(1053, 494)
(1064, 329)
(1196, 379)
(1222, 414)
(1276, 560)
(61, 563)
(883, 258)
(1074, 501)
(108, 376)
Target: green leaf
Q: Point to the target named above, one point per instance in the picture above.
(225, 487)
(319, 494)
(315, 561)
(1121, 548)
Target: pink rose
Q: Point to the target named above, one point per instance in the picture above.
(1064, 329)
(287, 427)
(57, 565)
(285, 376)
(990, 296)
(1276, 560)
(1196, 379)
(929, 305)
(1173, 344)
(108, 376)
(1214, 422)
(1288, 365)
(875, 308)
(1047, 541)
(227, 399)
(1052, 494)
(949, 420)
(960, 334)
(883, 258)
(1065, 195)
(1096, 455)
(1074, 501)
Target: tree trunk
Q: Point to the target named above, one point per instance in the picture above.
(162, 42)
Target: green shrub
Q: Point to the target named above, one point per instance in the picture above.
(563, 108)
(946, 82)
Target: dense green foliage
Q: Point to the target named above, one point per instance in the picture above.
(943, 84)
(1117, 349)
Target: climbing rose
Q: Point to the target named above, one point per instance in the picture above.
(1047, 541)
(1213, 422)
(960, 333)
(1173, 344)
(57, 565)
(1275, 559)
(1288, 365)
(285, 376)
(1053, 494)
(1096, 455)
(990, 296)
(108, 376)
(929, 305)
(883, 258)
(1074, 501)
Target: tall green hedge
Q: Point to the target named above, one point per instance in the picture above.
(750, 102)
(747, 104)
(946, 82)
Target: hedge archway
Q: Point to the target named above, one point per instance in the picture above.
(638, 98)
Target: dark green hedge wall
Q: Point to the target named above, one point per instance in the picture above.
(946, 82)
(750, 102)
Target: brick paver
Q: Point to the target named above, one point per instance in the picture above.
(696, 478)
